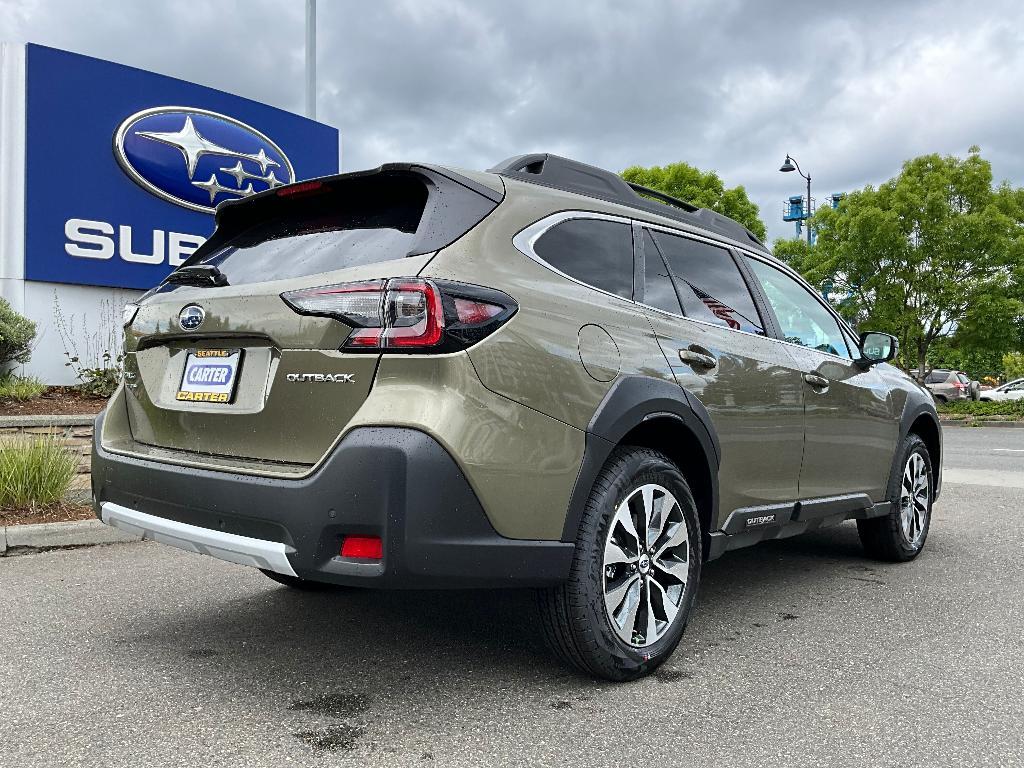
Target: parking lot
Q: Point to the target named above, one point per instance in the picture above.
(801, 652)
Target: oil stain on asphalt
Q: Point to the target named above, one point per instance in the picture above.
(343, 737)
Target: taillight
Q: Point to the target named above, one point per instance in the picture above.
(408, 314)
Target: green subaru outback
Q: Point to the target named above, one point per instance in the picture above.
(537, 376)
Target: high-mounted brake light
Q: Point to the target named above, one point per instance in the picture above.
(303, 188)
(408, 314)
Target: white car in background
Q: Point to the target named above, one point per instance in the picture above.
(1011, 390)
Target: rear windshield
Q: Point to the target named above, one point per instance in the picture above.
(375, 220)
(963, 378)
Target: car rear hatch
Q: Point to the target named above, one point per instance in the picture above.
(218, 363)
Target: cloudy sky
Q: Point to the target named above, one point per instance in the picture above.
(850, 89)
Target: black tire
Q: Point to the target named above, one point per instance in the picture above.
(575, 621)
(884, 538)
(296, 582)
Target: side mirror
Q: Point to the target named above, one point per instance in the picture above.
(877, 348)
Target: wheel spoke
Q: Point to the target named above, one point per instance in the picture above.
(668, 608)
(624, 518)
(651, 625)
(615, 554)
(647, 494)
(675, 567)
(675, 535)
(662, 508)
(623, 603)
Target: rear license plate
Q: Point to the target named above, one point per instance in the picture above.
(210, 376)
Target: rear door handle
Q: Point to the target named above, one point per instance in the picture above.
(816, 381)
(697, 359)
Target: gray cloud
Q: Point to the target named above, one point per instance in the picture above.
(850, 91)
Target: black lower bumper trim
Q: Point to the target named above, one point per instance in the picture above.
(396, 483)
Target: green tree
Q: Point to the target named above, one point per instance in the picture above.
(701, 188)
(16, 334)
(1013, 365)
(933, 252)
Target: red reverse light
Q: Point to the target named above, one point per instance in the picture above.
(363, 547)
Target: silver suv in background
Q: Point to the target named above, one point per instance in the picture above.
(946, 385)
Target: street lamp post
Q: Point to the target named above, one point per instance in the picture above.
(311, 59)
(792, 165)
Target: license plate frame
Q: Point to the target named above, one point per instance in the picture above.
(210, 376)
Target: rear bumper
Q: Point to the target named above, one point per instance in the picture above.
(395, 483)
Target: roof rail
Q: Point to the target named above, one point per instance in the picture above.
(573, 176)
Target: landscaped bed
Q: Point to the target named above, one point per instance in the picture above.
(975, 411)
(53, 401)
(61, 512)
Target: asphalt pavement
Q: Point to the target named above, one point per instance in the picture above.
(801, 652)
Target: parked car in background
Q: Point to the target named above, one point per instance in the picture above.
(1011, 390)
(946, 385)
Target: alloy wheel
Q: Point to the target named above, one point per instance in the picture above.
(646, 565)
(915, 494)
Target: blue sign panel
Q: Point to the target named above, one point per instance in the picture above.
(124, 168)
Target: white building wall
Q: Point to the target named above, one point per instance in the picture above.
(12, 174)
(91, 315)
(75, 320)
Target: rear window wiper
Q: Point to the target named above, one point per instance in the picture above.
(198, 274)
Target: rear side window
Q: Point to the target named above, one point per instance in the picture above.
(936, 377)
(593, 251)
(710, 284)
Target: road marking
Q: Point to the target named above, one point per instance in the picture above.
(993, 477)
(1009, 450)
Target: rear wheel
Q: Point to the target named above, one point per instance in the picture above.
(296, 582)
(635, 571)
(900, 535)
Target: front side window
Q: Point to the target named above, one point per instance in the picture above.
(803, 318)
(594, 251)
(710, 285)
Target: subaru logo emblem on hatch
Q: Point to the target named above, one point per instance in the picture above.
(196, 158)
(191, 317)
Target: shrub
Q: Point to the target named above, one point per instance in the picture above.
(20, 388)
(16, 334)
(1007, 408)
(95, 357)
(35, 471)
(1013, 365)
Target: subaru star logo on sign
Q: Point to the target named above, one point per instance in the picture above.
(125, 168)
(197, 158)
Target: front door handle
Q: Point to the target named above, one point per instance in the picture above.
(820, 383)
(697, 359)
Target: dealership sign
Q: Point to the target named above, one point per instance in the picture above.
(124, 168)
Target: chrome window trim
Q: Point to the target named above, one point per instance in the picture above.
(525, 239)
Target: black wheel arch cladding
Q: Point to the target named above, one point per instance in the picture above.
(632, 401)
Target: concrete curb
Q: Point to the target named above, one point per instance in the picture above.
(982, 423)
(18, 539)
(44, 420)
